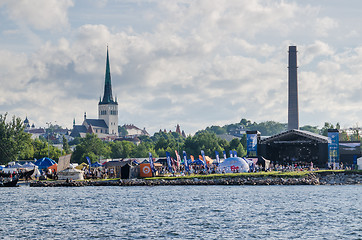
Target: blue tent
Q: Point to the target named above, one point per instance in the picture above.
(96, 164)
(44, 163)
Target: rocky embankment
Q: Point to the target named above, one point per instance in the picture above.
(323, 178)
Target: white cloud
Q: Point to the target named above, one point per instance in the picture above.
(201, 63)
(39, 14)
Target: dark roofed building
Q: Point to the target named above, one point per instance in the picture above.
(78, 131)
(295, 147)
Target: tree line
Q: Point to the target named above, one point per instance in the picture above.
(15, 144)
(160, 143)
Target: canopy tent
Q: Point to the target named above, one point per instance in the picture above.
(44, 163)
(16, 165)
(71, 174)
(36, 173)
(209, 160)
(234, 164)
(264, 162)
(81, 166)
(54, 167)
(96, 164)
(198, 162)
(29, 165)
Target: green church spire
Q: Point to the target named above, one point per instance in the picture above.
(107, 97)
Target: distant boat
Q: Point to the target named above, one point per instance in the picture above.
(9, 183)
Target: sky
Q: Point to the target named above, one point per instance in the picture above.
(196, 63)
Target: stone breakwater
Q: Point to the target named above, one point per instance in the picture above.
(325, 178)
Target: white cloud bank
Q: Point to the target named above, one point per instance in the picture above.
(196, 63)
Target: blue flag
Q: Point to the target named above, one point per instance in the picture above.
(235, 154)
(217, 157)
(231, 153)
(185, 162)
(151, 163)
(203, 158)
(169, 161)
(89, 162)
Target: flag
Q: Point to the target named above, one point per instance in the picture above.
(178, 158)
(224, 153)
(151, 162)
(173, 164)
(235, 154)
(203, 157)
(185, 162)
(217, 157)
(169, 161)
(89, 162)
(231, 153)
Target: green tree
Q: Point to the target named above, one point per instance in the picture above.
(240, 150)
(13, 140)
(324, 130)
(90, 146)
(313, 129)
(66, 147)
(116, 149)
(140, 151)
(127, 149)
(122, 131)
(41, 149)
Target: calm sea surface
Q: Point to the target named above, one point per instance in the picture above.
(182, 212)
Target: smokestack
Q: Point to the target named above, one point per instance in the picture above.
(293, 116)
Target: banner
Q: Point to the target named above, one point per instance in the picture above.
(151, 162)
(203, 158)
(185, 162)
(89, 162)
(169, 162)
(235, 154)
(178, 158)
(217, 157)
(224, 153)
(333, 148)
(252, 144)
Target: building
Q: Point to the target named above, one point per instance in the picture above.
(106, 126)
(35, 132)
(133, 131)
(295, 147)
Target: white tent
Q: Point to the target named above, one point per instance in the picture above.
(359, 163)
(71, 174)
(36, 173)
(234, 164)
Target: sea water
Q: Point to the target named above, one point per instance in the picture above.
(182, 212)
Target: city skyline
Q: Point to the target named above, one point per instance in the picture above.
(193, 63)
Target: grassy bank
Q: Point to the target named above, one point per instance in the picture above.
(296, 174)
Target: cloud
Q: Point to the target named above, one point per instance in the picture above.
(39, 14)
(199, 63)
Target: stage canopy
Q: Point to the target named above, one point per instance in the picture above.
(44, 163)
(233, 164)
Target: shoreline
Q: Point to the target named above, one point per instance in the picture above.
(311, 178)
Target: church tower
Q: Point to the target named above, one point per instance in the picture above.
(107, 107)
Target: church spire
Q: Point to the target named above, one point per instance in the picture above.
(107, 97)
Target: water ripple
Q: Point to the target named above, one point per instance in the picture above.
(182, 212)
